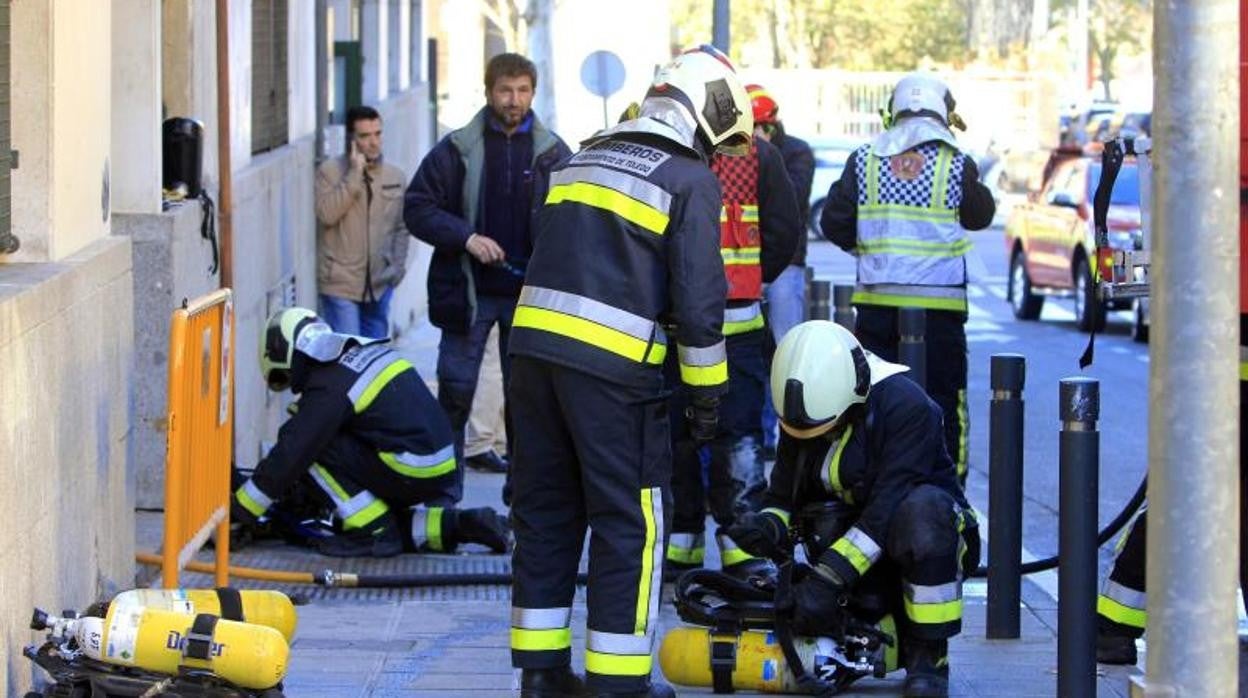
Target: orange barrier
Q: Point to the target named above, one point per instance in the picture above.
(200, 434)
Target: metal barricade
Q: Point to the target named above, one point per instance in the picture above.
(200, 434)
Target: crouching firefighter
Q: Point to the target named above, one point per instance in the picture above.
(368, 432)
(863, 475)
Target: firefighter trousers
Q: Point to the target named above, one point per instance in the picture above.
(945, 340)
(597, 454)
(1120, 608)
(931, 545)
(349, 473)
(736, 479)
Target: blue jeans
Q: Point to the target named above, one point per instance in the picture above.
(459, 364)
(786, 308)
(367, 319)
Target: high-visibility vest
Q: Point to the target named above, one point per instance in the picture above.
(740, 241)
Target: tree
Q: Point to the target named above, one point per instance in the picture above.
(1115, 27)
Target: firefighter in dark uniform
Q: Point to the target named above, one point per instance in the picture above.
(903, 205)
(370, 435)
(759, 228)
(627, 242)
(862, 463)
(1121, 608)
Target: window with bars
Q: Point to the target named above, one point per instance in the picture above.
(269, 76)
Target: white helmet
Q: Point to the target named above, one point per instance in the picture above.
(703, 81)
(922, 94)
(819, 371)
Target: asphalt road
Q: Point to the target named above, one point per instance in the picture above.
(1052, 347)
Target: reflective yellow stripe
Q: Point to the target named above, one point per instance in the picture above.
(941, 186)
(873, 180)
(733, 328)
(701, 376)
(541, 640)
(590, 333)
(433, 527)
(1243, 371)
(382, 379)
(749, 213)
(734, 556)
(914, 248)
(365, 516)
(963, 428)
(933, 613)
(617, 664)
(686, 556)
(327, 479)
(741, 255)
(1119, 613)
(868, 298)
(834, 466)
(647, 562)
(612, 201)
(851, 552)
(244, 498)
(392, 461)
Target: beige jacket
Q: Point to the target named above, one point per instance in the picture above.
(356, 240)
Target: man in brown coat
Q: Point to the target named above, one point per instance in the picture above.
(362, 244)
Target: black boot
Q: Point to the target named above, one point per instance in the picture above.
(657, 689)
(927, 668)
(1115, 649)
(381, 538)
(561, 682)
(483, 526)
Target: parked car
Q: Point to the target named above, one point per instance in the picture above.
(830, 156)
(1049, 242)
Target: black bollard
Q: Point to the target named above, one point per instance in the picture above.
(911, 350)
(808, 280)
(1005, 495)
(819, 298)
(843, 306)
(1078, 459)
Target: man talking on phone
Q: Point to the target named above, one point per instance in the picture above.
(362, 242)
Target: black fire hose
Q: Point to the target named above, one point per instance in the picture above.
(1111, 529)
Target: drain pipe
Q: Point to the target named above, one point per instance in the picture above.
(225, 197)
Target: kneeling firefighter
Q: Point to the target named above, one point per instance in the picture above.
(364, 424)
(863, 477)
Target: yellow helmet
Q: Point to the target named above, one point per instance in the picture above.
(705, 84)
(277, 344)
(819, 371)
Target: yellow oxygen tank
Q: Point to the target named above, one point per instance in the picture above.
(685, 657)
(245, 654)
(262, 607)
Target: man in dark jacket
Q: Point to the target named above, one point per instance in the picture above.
(473, 198)
(370, 436)
(903, 206)
(786, 294)
(863, 473)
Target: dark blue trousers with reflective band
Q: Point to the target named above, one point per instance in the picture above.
(1121, 605)
(459, 364)
(735, 480)
(589, 453)
(945, 340)
(930, 546)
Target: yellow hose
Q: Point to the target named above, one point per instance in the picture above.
(240, 572)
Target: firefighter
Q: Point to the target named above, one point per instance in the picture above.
(364, 423)
(902, 206)
(862, 461)
(759, 226)
(627, 242)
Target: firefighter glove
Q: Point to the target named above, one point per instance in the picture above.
(483, 526)
(761, 533)
(819, 605)
(703, 416)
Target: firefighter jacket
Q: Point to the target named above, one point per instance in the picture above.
(892, 444)
(905, 217)
(370, 392)
(760, 225)
(627, 242)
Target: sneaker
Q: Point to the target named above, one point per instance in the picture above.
(381, 539)
(560, 682)
(488, 462)
(1116, 649)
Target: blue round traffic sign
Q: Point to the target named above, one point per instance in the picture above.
(602, 73)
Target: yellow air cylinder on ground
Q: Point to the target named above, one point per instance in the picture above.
(685, 657)
(262, 607)
(245, 654)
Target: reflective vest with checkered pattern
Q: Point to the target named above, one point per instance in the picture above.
(739, 240)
